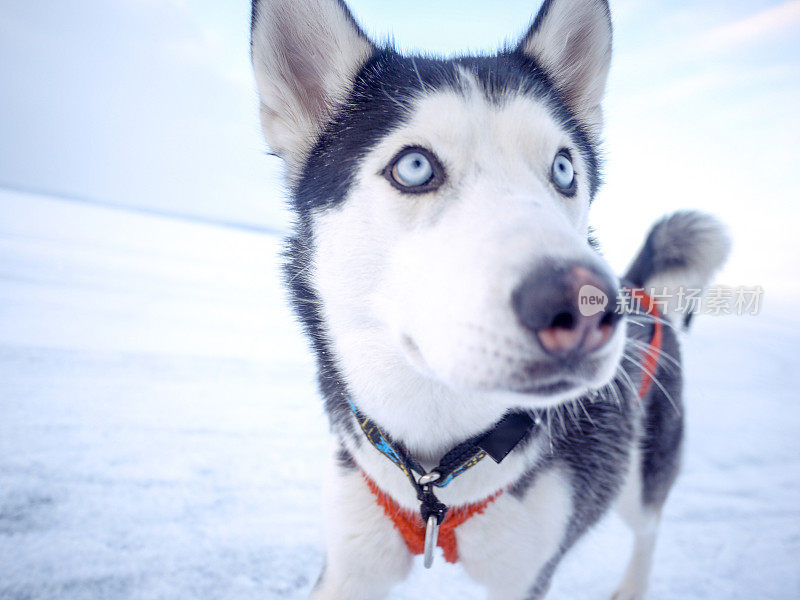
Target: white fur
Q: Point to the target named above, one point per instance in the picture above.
(415, 290)
(644, 525)
(704, 243)
(506, 547)
(366, 556)
(389, 268)
(305, 56)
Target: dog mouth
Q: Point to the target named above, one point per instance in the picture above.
(550, 378)
(495, 371)
(546, 389)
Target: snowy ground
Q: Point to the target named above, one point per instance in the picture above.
(160, 436)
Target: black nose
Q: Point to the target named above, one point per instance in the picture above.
(570, 307)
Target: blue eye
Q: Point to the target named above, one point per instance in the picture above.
(415, 170)
(563, 173)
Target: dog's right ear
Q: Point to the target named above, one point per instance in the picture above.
(571, 39)
(306, 54)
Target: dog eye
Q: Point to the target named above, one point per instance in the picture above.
(563, 173)
(414, 170)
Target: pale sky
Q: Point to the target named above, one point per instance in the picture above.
(151, 103)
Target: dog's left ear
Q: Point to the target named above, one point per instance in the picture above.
(571, 40)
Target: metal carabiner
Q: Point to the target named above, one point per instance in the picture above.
(431, 537)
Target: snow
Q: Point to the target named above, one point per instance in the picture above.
(161, 436)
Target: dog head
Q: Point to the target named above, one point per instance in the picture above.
(442, 205)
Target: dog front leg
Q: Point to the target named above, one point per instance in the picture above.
(513, 547)
(365, 555)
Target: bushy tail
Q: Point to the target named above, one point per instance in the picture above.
(680, 255)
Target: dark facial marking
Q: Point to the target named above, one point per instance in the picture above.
(382, 100)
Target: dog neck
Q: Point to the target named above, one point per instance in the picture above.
(425, 416)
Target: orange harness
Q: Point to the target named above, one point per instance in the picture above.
(409, 523)
(650, 361)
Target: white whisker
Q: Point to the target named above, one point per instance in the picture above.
(655, 381)
(649, 348)
(621, 370)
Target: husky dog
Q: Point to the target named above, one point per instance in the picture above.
(440, 250)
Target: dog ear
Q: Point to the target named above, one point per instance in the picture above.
(571, 40)
(305, 54)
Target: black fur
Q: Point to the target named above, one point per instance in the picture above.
(544, 10)
(674, 242)
(591, 441)
(345, 460)
(253, 14)
(662, 433)
(591, 438)
(382, 96)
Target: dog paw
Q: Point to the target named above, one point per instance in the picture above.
(630, 590)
